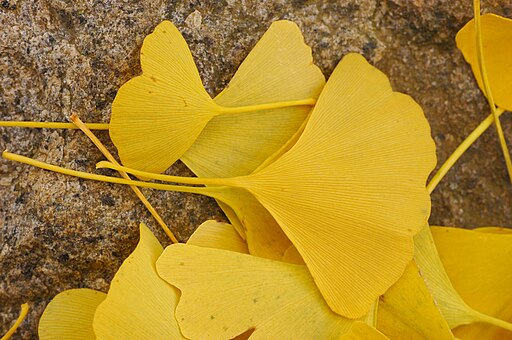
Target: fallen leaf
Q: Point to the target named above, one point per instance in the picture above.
(139, 304)
(454, 309)
(497, 49)
(408, 311)
(350, 194)
(279, 68)
(70, 315)
(157, 116)
(479, 265)
(224, 294)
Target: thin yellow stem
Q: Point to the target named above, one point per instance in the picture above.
(105, 126)
(269, 106)
(101, 178)
(53, 125)
(168, 178)
(76, 120)
(488, 92)
(23, 314)
(454, 157)
(481, 317)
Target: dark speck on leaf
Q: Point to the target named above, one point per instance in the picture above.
(254, 300)
(212, 317)
(182, 263)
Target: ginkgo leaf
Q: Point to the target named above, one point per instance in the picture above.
(279, 68)
(479, 266)
(157, 116)
(408, 310)
(350, 194)
(70, 315)
(224, 294)
(497, 49)
(454, 309)
(361, 330)
(139, 304)
(219, 235)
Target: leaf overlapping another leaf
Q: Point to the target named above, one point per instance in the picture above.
(479, 265)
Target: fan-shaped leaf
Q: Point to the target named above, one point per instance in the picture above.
(279, 68)
(350, 194)
(157, 116)
(454, 309)
(70, 315)
(497, 48)
(139, 304)
(226, 293)
(479, 264)
(408, 311)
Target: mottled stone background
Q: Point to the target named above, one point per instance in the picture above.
(58, 232)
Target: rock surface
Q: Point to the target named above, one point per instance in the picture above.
(57, 56)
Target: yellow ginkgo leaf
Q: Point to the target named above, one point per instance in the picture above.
(497, 48)
(219, 235)
(479, 264)
(70, 314)
(157, 116)
(453, 308)
(362, 331)
(224, 294)
(139, 304)
(408, 311)
(351, 193)
(279, 68)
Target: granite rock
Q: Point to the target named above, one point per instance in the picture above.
(58, 57)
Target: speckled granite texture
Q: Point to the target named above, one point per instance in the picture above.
(59, 56)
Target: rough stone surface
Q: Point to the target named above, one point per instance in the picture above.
(58, 56)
